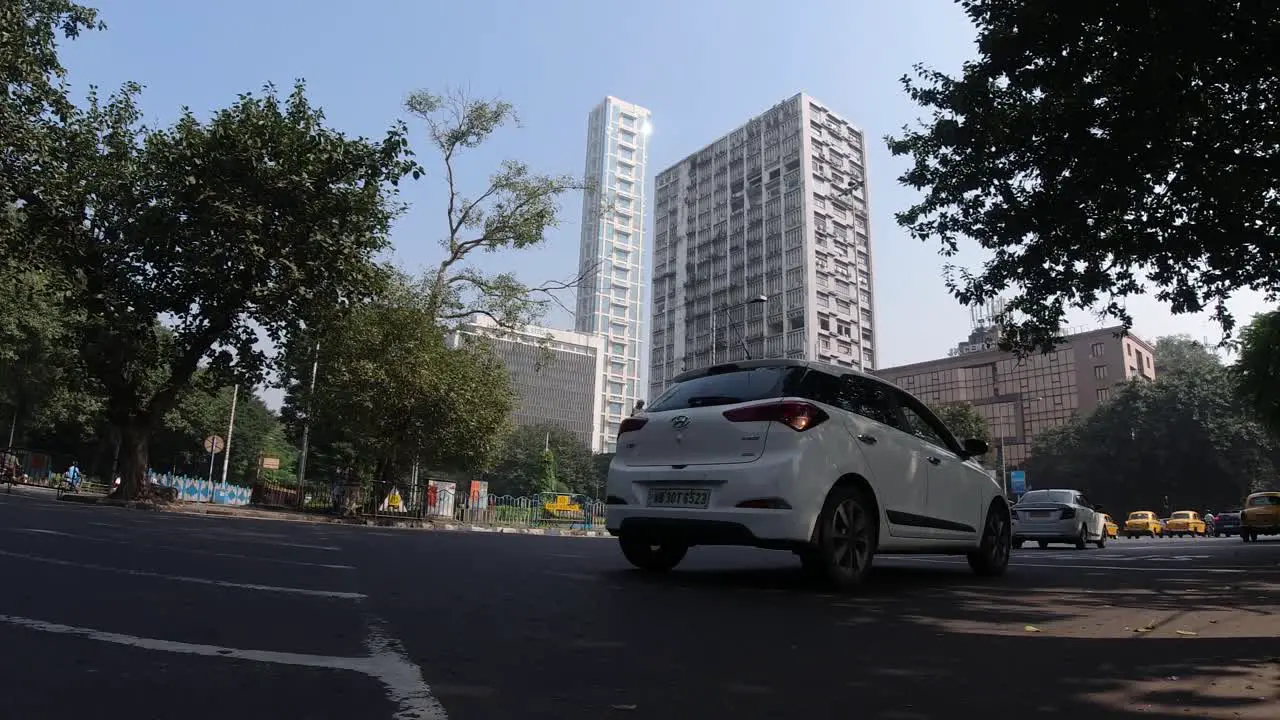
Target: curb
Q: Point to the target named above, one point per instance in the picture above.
(426, 525)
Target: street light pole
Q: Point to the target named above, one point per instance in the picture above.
(306, 432)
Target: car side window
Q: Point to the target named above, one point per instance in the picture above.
(920, 427)
(870, 399)
(1083, 501)
(819, 387)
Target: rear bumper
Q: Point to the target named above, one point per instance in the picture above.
(784, 476)
(1053, 531)
(1261, 529)
(1140, 531)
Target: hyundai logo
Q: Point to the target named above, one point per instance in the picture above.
(680, 422)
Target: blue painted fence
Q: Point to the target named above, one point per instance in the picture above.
(196, 490)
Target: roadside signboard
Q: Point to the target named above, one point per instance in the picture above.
(270, 463)
(1018, 482)
(214, 444)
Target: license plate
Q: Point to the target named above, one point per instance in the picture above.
(679, 498)
(1041, 514)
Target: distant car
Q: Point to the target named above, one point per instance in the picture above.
(1113, 530)
(1261, 516)
(1143, 523)
(1058, 516)
(1226, 523)
(827, 462)
(1185, 523)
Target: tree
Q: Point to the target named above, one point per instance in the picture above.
(513, 212)
(33, 102)
(964, 421)
(1098, 151)
(179, 442)
(1180, 353)
(1185, 436)
(189, 242)
(543, 458)
(391, 392)
(1257, 368)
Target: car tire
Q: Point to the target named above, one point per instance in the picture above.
(1044, 544)
(1017, 544)
(1102, 540)
(1082, 540)
(846, 538)
(1245, 537)
(991, 559)
(651, 557)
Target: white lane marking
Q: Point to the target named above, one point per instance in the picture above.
(386, 662)
(186, 579)
(190, 551)
(1127, 568)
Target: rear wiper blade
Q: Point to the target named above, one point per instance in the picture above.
(704, 400)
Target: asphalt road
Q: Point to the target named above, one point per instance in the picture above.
(108, 613)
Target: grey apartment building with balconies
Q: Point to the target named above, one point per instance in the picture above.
(776, 208)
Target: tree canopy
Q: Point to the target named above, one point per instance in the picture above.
(1187, 437)
(523, 470)
(1181, 353)
(224, 229)
(1257, 367)
(391, 392)
(1102, 150)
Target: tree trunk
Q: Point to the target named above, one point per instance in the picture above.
(134, 462)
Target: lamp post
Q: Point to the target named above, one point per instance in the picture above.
(758, 300)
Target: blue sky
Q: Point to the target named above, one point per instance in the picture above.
(701, 66)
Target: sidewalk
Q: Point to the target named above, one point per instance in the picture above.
(282, 515)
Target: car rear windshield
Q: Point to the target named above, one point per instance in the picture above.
(1182, 516)
(1047, 496)
(1140, 516)
(1265, 500)
(728, 386)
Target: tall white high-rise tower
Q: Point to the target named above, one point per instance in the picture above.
(762, 247)
(611, 255)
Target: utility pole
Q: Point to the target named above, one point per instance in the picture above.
(306, 432)
(231, 427)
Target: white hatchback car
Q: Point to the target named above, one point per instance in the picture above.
(824, 461)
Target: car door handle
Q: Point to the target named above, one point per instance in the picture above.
(934, 461)
(868, 439)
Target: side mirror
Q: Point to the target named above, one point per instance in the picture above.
(973, 447)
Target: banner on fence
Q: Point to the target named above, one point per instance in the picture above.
(440, 498)
(479, 495)
(195, 490)
(392, 502)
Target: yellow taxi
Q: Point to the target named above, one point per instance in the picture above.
(1186, 522)
(1261, 515)
(1143, 523)
(1110, 526)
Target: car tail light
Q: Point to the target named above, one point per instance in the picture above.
(631, 424)
(1068, 514)
(798, 416)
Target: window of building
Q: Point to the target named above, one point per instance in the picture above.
(1103, 394)
(1097, 349)
(628, 121)
(626, 153)
(1100, 372)
(626, 186)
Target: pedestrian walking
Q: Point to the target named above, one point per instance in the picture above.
(74, 476)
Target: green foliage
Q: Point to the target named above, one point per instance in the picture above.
(1098, 151)
(1180, 353)
(243, 225)
(1185, 436)
(389, 390)
(33, 100)
(525, 468)
(964, 421)
(179, 443)
(514, 212)
(1257, 368)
